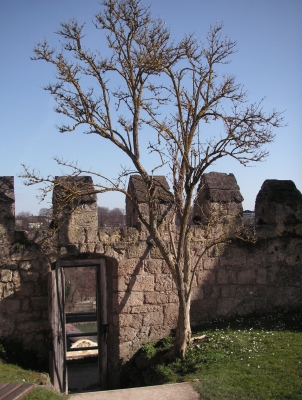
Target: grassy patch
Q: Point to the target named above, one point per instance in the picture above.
(252, 358)
(17, 366)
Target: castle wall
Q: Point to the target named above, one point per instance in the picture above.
(237, 278)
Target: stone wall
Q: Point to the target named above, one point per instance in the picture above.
(237, 278)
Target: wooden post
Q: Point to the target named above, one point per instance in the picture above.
(56, 290)
(102, 322)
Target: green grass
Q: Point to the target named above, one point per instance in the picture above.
(17, 366)
(10, 373)
(247, 358)
(254, 358)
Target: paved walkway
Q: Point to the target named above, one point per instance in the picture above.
(177, 391)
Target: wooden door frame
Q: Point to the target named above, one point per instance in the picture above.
(59, 372)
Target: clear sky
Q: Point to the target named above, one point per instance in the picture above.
(268, 63)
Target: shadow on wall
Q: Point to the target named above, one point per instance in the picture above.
(237, 278)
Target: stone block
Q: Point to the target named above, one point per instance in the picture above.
(155, 253)
(29, 276)
(142, 283)
(156, 298)
(226, 276)
(197, 294)
(26, 289)
(125, 351)
(273, 274)
(227, 306)
(211, 291)
(228, 291)
(246, 277)
(261, 277)
(26, 316)
(211, 263)
(163, 283)
(121, 283)
(10, 266)
(40, 287)
(262, 291)
(128, 299)
(233, 262)
(25, 304)
(170, 314)
(6, 275)
(146, 308)
(29, 326)
(9, 306)
(16, 280)
(128, 334)
(39, 303)
(137, 250)
(8, 289)
(206, 276)
(156, 267)
(25, 265)
(203, 309)
(246, 307)
(130, 267)
(153, 318)
(132, 320)
(246, 291)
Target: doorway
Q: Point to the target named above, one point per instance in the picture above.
(78, 319)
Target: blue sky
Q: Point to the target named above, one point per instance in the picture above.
(268, 63)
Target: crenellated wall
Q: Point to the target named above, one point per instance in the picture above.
(237, 278)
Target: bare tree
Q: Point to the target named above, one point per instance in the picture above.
(45, 212)
(171, 90)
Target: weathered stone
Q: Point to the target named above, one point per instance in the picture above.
(128, 334)
(206, 276)
(7, 210)
(29, 276)
(170, 314)
(26, 265)
(246, 277)
(128, 299)
(9, 306)
(244, 292)
(234, 262)
(211, 291)
(1, 290)
(228, 291)
(39, 303)
(163, 283)
(142, 283)
(156, 267)
(11, 267)
(8, 289)
(6, 275)
(232, 279)
(156, 298)
(261, 277)
(153, 318)
(211, 263)
(278, 209)
(16, 280)
(226, 276)
(131, 320)
(227, 306)
(146, 308)
(197, 293)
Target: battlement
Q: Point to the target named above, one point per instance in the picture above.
(233, 279)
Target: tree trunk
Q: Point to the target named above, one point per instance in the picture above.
(183, 329)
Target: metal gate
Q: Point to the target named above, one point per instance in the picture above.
(57, 319)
